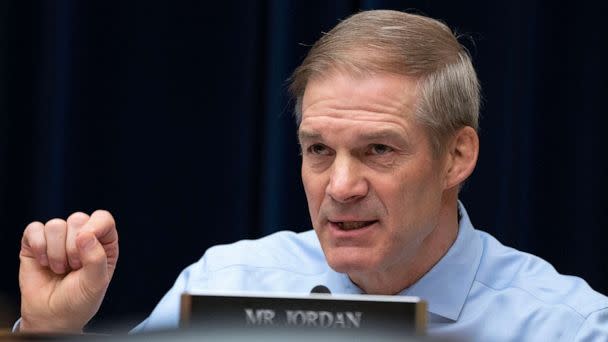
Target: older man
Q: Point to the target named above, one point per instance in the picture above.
(387, 106)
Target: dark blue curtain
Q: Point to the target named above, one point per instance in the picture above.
(175, 117)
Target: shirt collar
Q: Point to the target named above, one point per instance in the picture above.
(446, 286)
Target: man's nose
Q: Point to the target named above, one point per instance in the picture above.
(346, 183)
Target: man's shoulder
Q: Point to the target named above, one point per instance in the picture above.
(505, 271)
(281, 251)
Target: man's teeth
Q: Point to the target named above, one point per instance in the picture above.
(353, 224)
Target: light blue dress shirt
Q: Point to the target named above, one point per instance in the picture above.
(479, 291)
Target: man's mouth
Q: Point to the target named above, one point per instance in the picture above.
(352, 225)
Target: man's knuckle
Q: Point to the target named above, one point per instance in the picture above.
(38, 246)
(55, 226)
(77, 214)
(77, 219)
(34, 241)
(106, 215)
(32, 228)
(54, 222)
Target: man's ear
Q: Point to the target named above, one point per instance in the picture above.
(462, 153)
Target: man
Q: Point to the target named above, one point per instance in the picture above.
(387, 106)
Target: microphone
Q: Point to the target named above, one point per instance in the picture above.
(320, 289)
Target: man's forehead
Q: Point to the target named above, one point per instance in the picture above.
(380, 93)
(367, 82)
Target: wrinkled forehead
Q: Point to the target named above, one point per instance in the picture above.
(346, 94)
(359, 107)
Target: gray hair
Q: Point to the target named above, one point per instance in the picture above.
(385, 41)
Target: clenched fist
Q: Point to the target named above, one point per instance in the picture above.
(66, 267)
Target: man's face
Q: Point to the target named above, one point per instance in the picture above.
(374, 189)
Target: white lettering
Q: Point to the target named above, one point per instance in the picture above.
(250, 317)
(354, 319)
(326, 319)
(311, 318)
(259, 317)
(295, 317)
(339, 322)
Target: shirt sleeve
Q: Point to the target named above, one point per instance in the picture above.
(594, 328)
(16, 325)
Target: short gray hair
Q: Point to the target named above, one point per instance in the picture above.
(385, 41)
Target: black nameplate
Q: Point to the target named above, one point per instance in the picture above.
(359, 315)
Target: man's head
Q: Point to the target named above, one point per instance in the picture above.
(399, 43)
(387, 106)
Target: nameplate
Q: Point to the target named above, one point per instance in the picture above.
(357, 315)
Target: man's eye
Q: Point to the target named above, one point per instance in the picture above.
(318, 149)
(379, 149)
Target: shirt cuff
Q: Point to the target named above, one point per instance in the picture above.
(16, 325)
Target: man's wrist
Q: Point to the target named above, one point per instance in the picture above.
(24, 326)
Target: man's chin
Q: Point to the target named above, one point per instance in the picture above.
(350, 264)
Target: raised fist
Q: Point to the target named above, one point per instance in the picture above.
(66, 267)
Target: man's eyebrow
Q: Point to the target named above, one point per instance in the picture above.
(382, 134)
(308, 135)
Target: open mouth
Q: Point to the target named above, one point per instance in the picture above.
(352, 225)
